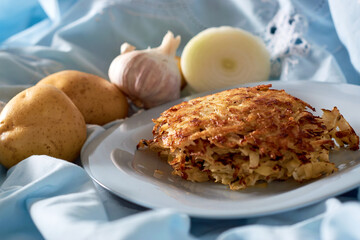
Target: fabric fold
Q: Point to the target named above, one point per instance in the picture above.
(44, 197)
(337, 222)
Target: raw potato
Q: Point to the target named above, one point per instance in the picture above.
(40, 120)
(97, 99)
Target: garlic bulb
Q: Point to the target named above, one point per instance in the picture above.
(148, 77)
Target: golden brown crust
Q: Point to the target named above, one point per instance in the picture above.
(244, 135)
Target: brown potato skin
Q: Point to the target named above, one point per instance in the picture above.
(40, 120)
(97, 99)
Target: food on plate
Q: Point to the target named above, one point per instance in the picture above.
(40, 120)
(148, 77)
(97, 99)
(244, 136)
(224, 56)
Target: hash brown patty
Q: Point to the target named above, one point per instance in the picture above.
(243, 136)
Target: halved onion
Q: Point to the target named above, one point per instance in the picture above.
(224, 56)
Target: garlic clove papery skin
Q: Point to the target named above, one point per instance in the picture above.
(148, 77)
(148, 80)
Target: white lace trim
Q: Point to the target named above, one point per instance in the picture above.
(284, 39)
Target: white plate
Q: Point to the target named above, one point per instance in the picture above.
(112, 160)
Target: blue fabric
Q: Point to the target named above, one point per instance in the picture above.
(44, 197)
(48, 198)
